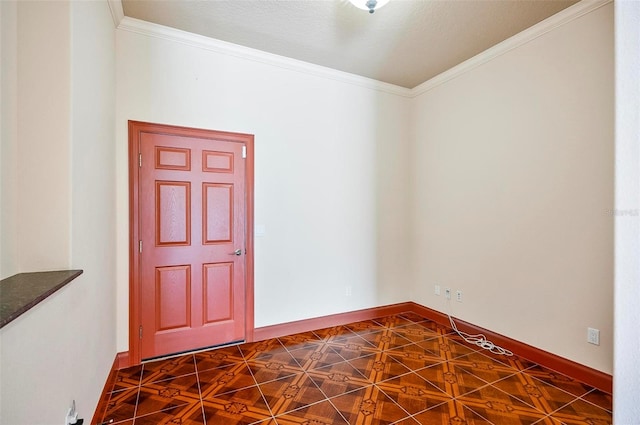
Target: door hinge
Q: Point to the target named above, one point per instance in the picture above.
(140, 246)
(140, 331)
(244, 151)
(140, 160)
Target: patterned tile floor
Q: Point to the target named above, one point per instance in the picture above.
(400, 369)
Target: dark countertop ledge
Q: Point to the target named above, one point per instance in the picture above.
(20, 292)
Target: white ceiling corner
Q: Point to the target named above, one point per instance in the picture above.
(561, 18)
(117, 11)
(334, 39)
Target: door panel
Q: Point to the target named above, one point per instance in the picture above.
(173, 213)
(217, 162)
(173, 158)
(192, 220)
(218, 280)
(173, 304)
(218, 213)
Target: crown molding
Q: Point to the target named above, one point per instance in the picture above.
(206, 43)
(541, 28)
(117, 12)
(149, 29)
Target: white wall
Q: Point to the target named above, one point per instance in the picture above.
(627, 241)
(63, 348)
(43, 191)
(9, 135)
(329, 172)
(33, 92)
(93, 195)
(513, 191)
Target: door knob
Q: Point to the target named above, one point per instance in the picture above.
(237, 252)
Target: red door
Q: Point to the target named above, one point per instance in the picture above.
(192, 245)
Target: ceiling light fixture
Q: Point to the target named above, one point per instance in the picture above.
(370, 5)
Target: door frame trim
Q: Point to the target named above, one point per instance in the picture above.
(135, 128)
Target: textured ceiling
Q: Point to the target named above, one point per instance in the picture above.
(405, 43)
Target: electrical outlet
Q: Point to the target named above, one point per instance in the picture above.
(348, 291)
(447, 293)
(593, 336)
(459, 296)
(436, 289)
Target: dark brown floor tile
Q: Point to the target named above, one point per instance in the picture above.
(385, 340)
(242, 407)
(219, 357)
(282, 356)
(450, 413)
(413, 317)
(548, 421)
(436, 327)
(271, 421)
(338, 379)
(452, 381)
(414, 357)
(369, 406)
(417, 332)
(454, 336)
(255, 350)
(413, 393)
(127, 378)
(188, 414)
(430, 346)
(291, 393)
(559, 380)
(125, 422)
(225, 379)
(600, 399)
(538, 394)
(379, 371)
(316, 356)
(161, 370)
(516, 362)
(365, 326)
(167, 394)
(300, 340)
(351, 347)
(329, 334)
(407, 421)
(378, 367)
(121, 405)
(394, 321)
(484, 367)
(187, 384)
(499, 413)
(272, 367)
(445, 348)
(482, 357)
(582, 412)
(500, 407)
(322, 413)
